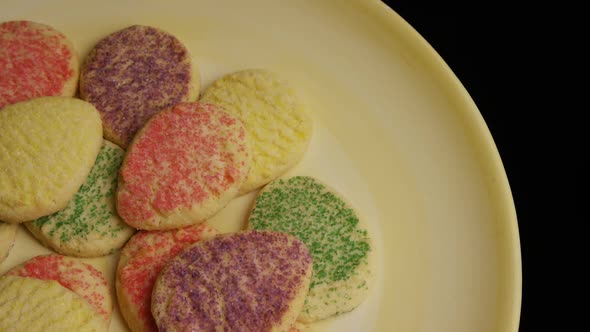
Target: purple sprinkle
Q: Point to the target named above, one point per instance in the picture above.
(132, 74)
(244, 281)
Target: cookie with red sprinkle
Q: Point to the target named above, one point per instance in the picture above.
(247, 281)
(36, 60)
(81, 278)
(141, 260)
(185, 165)
(132, 74)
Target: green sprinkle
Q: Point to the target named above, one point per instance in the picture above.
(303, 207)
(88, 213)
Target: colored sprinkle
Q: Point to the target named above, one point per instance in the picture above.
(185, 156)
(34, 61)
(132, 74)
(76, 276)
(90, 216)
(305, 208)
(242, 281)
(147, 253)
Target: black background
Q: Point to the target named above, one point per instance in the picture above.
(485, 44)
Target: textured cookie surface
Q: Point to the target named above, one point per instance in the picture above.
(182, 167)
(47, 147)
(340, 247)
(81, 278)
(89, 226)
(35, 60)
(141, 260)
(134, 73)
(7, 234)
(248, 281)
(279, 127)
(34, 305)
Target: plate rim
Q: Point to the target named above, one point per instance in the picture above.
(395, 22)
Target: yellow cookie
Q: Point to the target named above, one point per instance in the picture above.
(7, 234)
(75, 275)
(89, 226)
(47, 147)
(279, 127)
(35, 305)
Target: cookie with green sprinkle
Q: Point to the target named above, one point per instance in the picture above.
(330, 228)
(89, 226)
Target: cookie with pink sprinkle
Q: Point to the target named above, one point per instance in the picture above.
(75, 275)
(186, 164)
(36, 60)
(247, 281)
(141, 260)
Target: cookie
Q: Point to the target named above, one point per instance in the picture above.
(47, 147)
(34, 305)
(182, 167)
(248, 281)
(89, 226)
(132, 74)
(279, 126)
(340, 246)
(81, 278)
(141, 260)
(36, 60)
(7, 235)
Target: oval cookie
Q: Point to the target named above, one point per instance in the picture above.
(81, 278)
(340, 246)
(34, 305)
(7, 235)
(89, 226)
(35, 60)
(47, 147)
(134, 73)
(182, 167)
(248, 281)
(141, 261)
(279, 126)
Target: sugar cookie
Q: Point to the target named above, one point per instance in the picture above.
(340, 246)
(47, 147)
(182, 167)
(89, 226)
(34, 305)
(35, 61)
(279, 126)
(81, 278)
(134, 73)
(141, 260)
(248, 281)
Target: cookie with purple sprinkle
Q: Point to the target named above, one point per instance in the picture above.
(340, 245)
(132, 74)
(247, 281)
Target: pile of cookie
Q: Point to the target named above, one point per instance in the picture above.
(121, 154)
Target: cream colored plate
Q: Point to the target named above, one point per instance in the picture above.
(396, 133)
